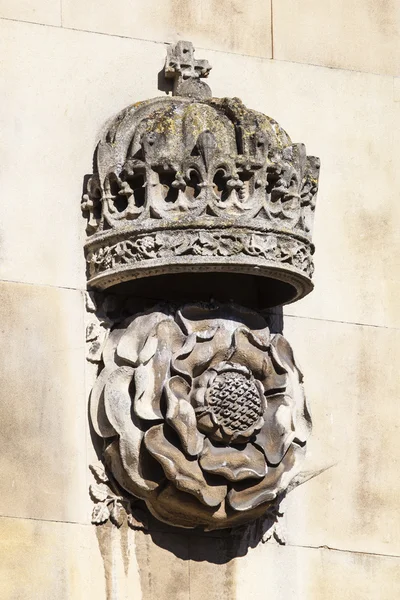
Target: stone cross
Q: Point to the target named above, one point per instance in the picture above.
(186, 71)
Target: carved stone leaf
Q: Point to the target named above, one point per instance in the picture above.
(99, 473)
(100, 492)
(117, 514)
(100, 513)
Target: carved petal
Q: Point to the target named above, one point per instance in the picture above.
(186, 474)
(168, 505)
(282, 353)
(109, 353)
(233, 464)
(118, 404)
(153, 370)
(112, 456)
(243, 498)
(136, 335)
(204, 354)
(302, 417)
(199, 387)
(101, 424)
(206, 424)
(181, 415)
(278, 431)
(249, 351)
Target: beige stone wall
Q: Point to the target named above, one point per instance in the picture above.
(66, 67)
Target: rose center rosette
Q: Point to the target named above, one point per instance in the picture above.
(203, 413)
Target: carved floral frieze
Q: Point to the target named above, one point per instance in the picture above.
(244, 246)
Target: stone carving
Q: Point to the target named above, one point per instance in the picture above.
(247, 248)
(97, 328)
(203, 413)
(203, 169)
(111, 503)
(201, 410)
(186, 72)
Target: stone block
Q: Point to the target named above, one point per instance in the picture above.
(43, 465)
(353, 389)
(46, 12)
(226, 25)
(58, 88)
(270, 571)
(358, 35)
(49, 561)
(287, 573)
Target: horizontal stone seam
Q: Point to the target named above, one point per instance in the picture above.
(324, 547)
(356, 323)
(37, 520)
(251, 56)
(45, 285)
(83, 290)
(331, 68)
(344, 550)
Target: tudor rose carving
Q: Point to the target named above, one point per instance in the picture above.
(203, 412)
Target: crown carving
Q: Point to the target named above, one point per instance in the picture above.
(191, 183)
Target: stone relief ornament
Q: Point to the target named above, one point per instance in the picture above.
(203, 412)
(195, 183)
(199, 407)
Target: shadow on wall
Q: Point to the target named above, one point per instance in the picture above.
(217, 547)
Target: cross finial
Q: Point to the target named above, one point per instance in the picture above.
(187, 71)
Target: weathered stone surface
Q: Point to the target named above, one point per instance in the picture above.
(209, 396)
(43, 467)
(46, 12)
(222, 25)
(353, 388)
(50, 561)
(195, 184)
(348, 35)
